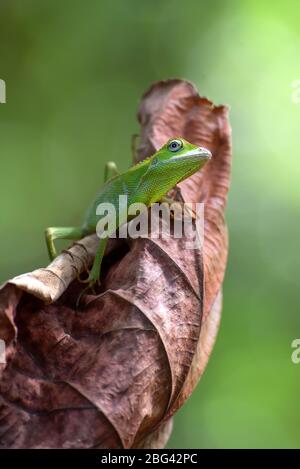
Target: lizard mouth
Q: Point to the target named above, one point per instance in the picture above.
(198, 153)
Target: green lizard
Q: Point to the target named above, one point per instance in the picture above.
(146, 182)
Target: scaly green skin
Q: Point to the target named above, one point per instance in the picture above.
(146, 182)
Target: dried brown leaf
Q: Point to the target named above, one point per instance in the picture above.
(112, 374)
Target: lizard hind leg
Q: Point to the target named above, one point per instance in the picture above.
(53, 233)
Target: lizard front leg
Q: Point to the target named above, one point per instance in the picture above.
(178, 208)
(95, 271)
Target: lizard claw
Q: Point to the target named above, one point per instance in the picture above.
(86, 269)
(91, 287)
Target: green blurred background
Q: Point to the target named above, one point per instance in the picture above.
(75, 72)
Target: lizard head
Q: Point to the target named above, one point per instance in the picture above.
(175, 161)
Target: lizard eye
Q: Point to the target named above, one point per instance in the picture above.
(175, 145)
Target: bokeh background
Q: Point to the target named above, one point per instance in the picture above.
(75, 72)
